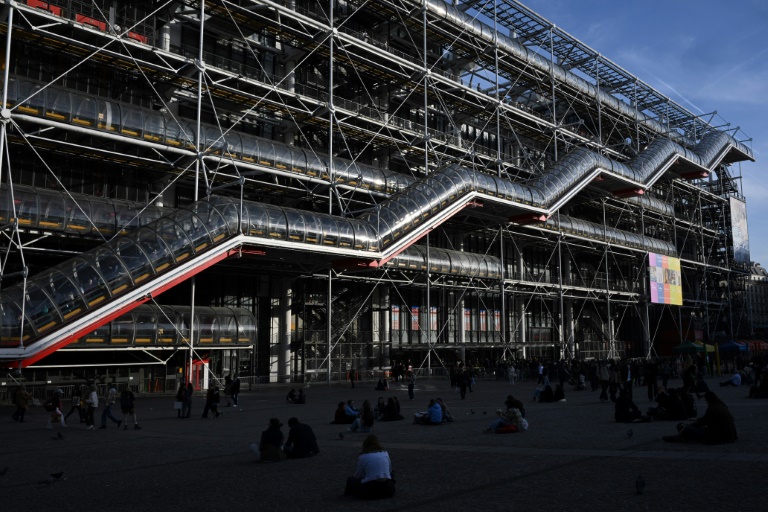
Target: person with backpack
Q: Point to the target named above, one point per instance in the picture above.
(126, 404)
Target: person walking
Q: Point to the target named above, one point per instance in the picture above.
(235, 390)
(186, 408)
(92, 404)
(180, 400)
(411, 384)
(352, 377)
(128, 408)
(107, 412)
(76, 406)
(22, 398)
(212, 402)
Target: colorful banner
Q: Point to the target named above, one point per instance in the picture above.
(739, 231)
(414, 318)
(395, 318)
(665, 279)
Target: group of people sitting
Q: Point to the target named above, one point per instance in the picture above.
(437, 412)
(301, 442)
(544, 393)
(363, 419)
(510, 420)
(296, 398)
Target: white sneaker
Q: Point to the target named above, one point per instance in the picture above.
(91, 427)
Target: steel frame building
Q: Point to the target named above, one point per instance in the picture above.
(359, 182)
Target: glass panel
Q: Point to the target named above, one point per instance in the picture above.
(246, 326)
(58, 105)
(154, 126)
(112, 270)
(296, 230)
(133, 258)
(222, 218)
(146, 329)
(174, 238)
(282, 156)
(103, 216)
(250, 149)
(166, 326)
(65, 294)
(86, 112)
(207, 325)
(78, 214)
(40, 309)
(87, 280)
(108, 115)
(227, 325)
(132, 122)
(52, 212)
(33, 106)
(183, 323)
(266, 153)
(122, 330)
(278, 228)
(27, 209)
(315, 165)
(298, 161)
(13, 93)
(314, 230)
(234, 145)
(194, 228)
(10, 322)
(214, 143)
(364, 239)
(346, 234)
(330, 231)
(258, 220)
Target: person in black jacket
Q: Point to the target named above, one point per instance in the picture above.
(301, 440)
(270, 447)
(715, 427)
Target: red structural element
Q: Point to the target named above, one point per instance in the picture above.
(598, 178)
(629, 192)
(694, 175)
(85, 20)
(53, 9)
(528, 218)
(138, 37)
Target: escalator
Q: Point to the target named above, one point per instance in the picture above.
(61, 304)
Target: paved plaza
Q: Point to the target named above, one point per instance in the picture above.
(573, 458)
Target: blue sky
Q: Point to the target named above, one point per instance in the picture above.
(707, 55)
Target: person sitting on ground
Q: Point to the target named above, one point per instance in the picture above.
(671, 406)
(301, 398)
(373, 477)
(547, 395)
(378, 411)
(301, 440)
(511, 401)
(715, 427)
(351, 411)
(291, 398)
(270, 447)
(364, 420)
(433, 415)
(626, 411)
(341, 417)
(447, 417)
(510, 420)
(382, 385)
(391, 411)
(735, 380)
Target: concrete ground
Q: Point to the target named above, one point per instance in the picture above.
(573, 458)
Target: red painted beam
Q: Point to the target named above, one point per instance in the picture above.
(528, 218)
(628, 192)
(695, 175)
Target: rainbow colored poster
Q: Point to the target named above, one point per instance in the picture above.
(665, 281)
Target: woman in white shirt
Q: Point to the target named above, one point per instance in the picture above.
(373, 475)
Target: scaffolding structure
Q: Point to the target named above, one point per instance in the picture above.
(360, 183)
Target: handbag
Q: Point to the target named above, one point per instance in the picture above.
(177, 405)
